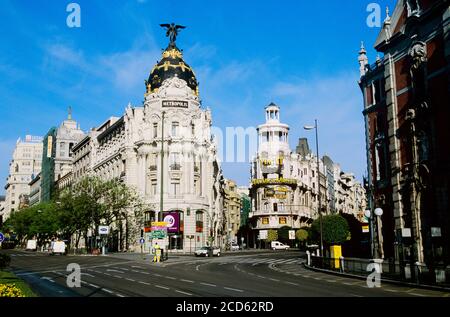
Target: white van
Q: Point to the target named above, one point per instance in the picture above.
(275, 245)
(58, 247)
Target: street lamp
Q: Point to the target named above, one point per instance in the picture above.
(378, 212)
(315, 127)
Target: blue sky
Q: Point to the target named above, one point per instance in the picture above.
(301, 55)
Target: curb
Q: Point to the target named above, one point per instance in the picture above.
(388, 281)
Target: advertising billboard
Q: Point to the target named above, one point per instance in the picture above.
(173, 222)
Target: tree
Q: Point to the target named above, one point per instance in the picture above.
(272, 235)
(301, 235)
(335, 229)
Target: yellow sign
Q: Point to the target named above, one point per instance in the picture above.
(160, 224)
(365, 229)
(274, 181)
(283, 220)
(265, 221)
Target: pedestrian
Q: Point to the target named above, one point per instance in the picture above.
(157, 253)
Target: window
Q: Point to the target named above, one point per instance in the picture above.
(199, 221)
(70, 149)
(154, 185)
(265, 221)
(175, 128)
(175, 162)
(155, 130)
(175, 187)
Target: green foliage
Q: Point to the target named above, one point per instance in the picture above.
(301, 235)
(272, 235)
(87, 204)
(5, 260)
(335, 229)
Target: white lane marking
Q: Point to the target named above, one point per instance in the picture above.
(234, 289)
(207, 284)
(187, 281)
(130, 279)
(107, 290)
(354, 295)
(290, 283)
(135, 271)
(260, 276)
(117, 276)
(170, 277)
(124, 269)
(120, 295)
(48, 279)
(145, 283)
(417, 294)
(196, 268)
(112, 270)
(158, 275)
(83, 274)
(138, 267)
(330, 281)
(274, 279)
(107, 274)
(185, 293)
(93, 285)
(163, 287)
(391, 290)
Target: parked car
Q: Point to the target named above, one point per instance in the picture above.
(235, 247)
(275, 245)
(207, 251)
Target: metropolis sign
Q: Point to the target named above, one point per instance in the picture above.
(174, 104)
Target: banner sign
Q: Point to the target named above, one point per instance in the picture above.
(159, 224)
(173, 220)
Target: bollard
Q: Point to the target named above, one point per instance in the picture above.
(309, 258)
(342, 263)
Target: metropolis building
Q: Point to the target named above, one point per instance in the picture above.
(164, 149)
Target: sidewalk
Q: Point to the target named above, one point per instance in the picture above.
(383, 280)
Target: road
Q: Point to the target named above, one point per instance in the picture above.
(274, 274)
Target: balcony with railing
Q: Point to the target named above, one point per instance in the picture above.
(301, 211)
(175, 167)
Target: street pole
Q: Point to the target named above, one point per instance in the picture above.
(161, 202)
(318, 188)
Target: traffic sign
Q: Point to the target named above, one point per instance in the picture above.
(142, 241)
(103, 230)
(2, 237)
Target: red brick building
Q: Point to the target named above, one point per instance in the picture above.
(407, 115)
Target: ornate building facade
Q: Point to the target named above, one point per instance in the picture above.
(406, 110)
(165, 150)
(283, 190)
